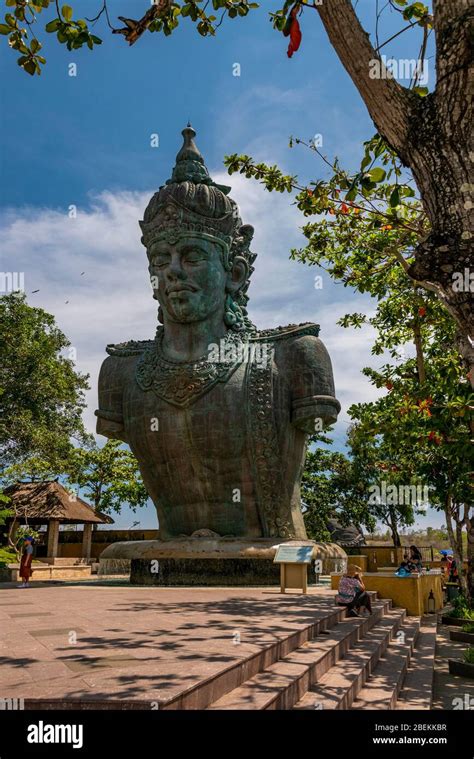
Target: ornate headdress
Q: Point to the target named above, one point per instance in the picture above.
(191, 203)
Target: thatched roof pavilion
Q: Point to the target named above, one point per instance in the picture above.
(50, 503)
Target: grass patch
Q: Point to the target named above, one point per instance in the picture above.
(7, 556)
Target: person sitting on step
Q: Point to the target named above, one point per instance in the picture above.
(352, 593)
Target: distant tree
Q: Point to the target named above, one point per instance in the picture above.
(41, 393)
(108, 476)
(331, 489)
(385, 479)
(33, 469)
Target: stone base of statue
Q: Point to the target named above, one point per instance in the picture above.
(204, 561)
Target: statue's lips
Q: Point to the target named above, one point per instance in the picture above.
(177, 291)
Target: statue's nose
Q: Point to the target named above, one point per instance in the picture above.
(175, 268)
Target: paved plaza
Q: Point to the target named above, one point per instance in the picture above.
(137, 645)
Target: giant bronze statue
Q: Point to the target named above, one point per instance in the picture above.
(216, 411)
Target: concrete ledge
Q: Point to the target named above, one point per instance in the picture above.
(43, 572)
(210, 560)
(216, 548)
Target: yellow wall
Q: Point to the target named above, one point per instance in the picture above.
(382, 556)
(71, 548)
(360, 561)
(411, 593)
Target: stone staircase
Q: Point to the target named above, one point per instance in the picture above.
(323, 660)
(344, 663)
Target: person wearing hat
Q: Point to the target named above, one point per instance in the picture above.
(26, 561)
(352, 593)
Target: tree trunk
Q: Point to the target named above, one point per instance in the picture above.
(11, 542)
(432, 135)
(459, 539)
(394, 530)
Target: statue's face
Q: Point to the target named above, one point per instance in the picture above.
(188, 278)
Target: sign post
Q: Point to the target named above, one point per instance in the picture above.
(293, 561)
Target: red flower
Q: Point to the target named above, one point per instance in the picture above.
(421, 311)
(389, 385)
(295, 33)
(424, 406)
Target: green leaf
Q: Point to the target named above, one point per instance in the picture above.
(30, 67)
(377, 174)
(352, 194)
(66, 11)
(422, 91)
(52, 25)
(395, 197)
(4, 29)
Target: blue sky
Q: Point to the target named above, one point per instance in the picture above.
(85, 140)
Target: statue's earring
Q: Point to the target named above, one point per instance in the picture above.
(233, 316)
(160, 315)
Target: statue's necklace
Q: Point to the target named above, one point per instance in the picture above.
(183, 382)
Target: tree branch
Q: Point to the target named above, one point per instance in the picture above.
(386, 101)
(134, 29)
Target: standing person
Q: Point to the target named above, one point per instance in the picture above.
(26, 561)
(453, 571)
(352, 593)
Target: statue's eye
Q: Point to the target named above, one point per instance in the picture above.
(160, 261)
(194, 257)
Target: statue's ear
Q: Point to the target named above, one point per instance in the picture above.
(238, 275)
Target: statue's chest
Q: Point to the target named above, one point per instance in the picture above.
(188, 414)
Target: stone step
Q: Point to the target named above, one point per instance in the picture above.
(281, 684)
(215, 687)
(383, 686)
(417, 690)
(338, 688)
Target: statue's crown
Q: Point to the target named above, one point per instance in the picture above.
(191, 202)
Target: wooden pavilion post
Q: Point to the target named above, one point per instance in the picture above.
(87, 540)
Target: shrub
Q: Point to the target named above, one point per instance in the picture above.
(469, 655)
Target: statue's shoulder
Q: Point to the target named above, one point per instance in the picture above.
(297, 346)
(287, 334)
(129, 348)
